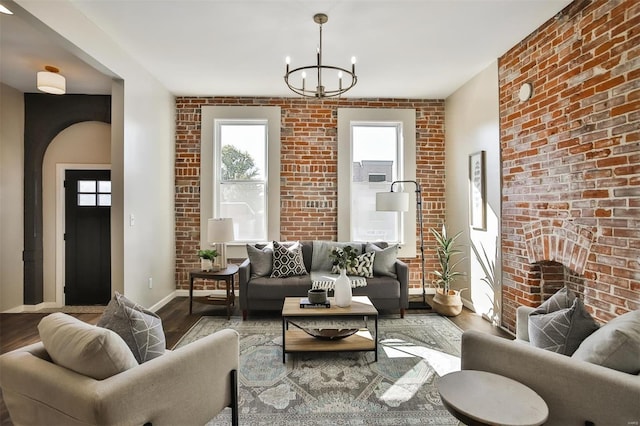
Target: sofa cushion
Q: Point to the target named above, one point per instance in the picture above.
(615, 345)
(140, 328)
(557, 328)
(362, 268)
(379, 287)
(287, 262)
(261, 260)
(321, 251)
(86, 349)
(385, 259)
(266, 288)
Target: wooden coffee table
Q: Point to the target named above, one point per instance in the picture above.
(296, 340)
(482, 398)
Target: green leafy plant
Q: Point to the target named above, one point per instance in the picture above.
(446, 251)
(343, 257)
(207, 254)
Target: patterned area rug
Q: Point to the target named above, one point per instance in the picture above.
(346, 388)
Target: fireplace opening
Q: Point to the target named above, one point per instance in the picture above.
(549, 277)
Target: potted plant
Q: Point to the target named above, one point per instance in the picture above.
(342, 258)
(447, 301)
(206, 259)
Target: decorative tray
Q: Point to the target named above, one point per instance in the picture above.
(327, 333)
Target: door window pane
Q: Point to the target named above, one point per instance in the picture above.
(104, 186)
(375, 153)
(104, 200)
(86, 199)
(86, 186)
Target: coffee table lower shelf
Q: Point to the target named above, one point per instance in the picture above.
(299, 341)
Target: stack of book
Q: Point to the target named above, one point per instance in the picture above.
(304, 303)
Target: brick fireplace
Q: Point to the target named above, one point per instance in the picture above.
(571, 161)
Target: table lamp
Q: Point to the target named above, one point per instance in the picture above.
(219, 233)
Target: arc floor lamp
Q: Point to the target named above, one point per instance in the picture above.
(399, 202)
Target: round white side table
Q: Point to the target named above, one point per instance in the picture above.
(482, 398)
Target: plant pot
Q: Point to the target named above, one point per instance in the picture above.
(449, 305)
(206, 265)
(317, 295)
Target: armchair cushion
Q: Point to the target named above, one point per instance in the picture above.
(615, 345)
(88, 350)
(140, 328)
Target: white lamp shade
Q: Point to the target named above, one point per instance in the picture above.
(392, 201)
(220, 230)
(51, 82)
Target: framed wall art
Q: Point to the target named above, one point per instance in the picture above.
(477, 191)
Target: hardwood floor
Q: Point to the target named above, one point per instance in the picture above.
(18, 330)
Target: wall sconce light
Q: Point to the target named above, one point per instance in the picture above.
(50, 81)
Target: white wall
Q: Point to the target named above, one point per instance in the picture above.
(84, 144)
(11, 197)
(142, 157)
(472, 125)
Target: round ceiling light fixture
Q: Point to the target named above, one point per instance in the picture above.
(51, 81)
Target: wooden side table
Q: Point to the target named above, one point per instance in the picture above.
(482, 398)
(225, 275)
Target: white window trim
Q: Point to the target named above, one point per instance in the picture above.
(209, 115)
(408, 119)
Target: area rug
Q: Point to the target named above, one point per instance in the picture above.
(347, 388)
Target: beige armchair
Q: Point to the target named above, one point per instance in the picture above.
(187, 386)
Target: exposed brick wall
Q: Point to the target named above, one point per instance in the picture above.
(571, 157)
(308, 170)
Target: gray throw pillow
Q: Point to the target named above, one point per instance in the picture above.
(362, 268)
(261, 260)
(320, 260)
(287, 262)
(385, 260)
(140, 328)
(563, 329)
(615, 345)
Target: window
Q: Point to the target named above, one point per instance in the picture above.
(375, 148)
(241, 150)
(92, 193)
(240, 171)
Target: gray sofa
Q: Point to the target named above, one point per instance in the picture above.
(264, 293)
(576, 392)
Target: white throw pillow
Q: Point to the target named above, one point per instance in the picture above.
(86, 349)
(615, 345)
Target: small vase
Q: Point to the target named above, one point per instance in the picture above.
(342, 290)
(206, 265)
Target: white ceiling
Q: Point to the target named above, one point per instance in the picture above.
(405, 48)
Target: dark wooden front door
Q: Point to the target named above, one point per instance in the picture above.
(87, 237)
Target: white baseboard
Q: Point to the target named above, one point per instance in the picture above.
(31, 308)
(163, 302)
(418, 291)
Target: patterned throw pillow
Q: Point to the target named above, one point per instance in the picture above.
(140, 328)
(362, 268)
(561, 323)
(287, 262)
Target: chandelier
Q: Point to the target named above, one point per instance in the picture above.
(320, 91)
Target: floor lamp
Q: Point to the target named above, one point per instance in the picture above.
(399, 202)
